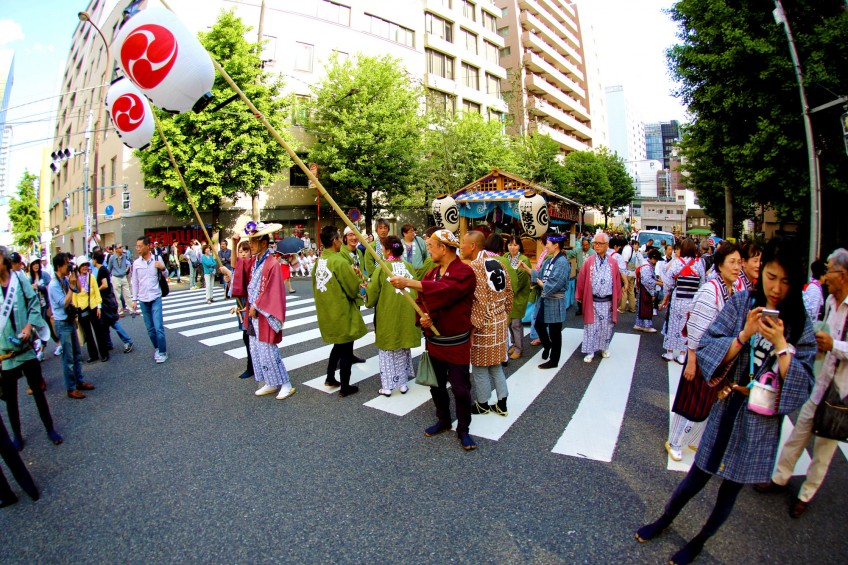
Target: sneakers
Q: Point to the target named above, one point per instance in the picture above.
(588, 358)
(675, 454)
(161, 358)
(436, 429)
(466, 441)
(285, 392)
(128, 347)
(266, 389)
(57, 351)
(332, 382)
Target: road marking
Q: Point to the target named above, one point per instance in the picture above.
(193, 312)
(200, 308)
(674, 372)
(594, 428)
(294, 339)
(196, 321)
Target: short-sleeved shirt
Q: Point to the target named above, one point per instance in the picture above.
(56, 294)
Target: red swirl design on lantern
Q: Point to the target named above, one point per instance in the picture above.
(128, 112)
(148, 55)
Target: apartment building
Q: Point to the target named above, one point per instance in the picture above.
(548, 86)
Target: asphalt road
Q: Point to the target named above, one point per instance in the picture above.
(180, 462)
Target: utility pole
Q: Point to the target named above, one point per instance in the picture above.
(85, 185)
(254, 201)
(815, 190)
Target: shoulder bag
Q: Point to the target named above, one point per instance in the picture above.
(163, 282)
(831, 418)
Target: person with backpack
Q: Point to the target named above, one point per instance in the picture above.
(681, 280)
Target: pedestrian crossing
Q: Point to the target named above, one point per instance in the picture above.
(592, 432)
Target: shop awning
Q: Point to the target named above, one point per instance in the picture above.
(698, 231)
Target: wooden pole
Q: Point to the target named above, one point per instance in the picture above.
(306, 171)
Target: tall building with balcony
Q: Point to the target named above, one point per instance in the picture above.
(548, 86)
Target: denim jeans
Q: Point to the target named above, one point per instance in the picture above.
(174, 271)
(121, 333)
(191, 274)
(152, 314)
(71, 362)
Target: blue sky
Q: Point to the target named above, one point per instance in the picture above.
(632, 36)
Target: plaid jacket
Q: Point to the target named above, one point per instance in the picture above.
(556, 284)
(751, 440)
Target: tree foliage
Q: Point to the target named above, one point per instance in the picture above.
(228, 153)
(24, 213)
(365, 114)
(538, 158)
(598, 179)
(461, 148)
(737, 79)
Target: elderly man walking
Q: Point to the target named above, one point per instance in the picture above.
(599, 290)
(834, 372)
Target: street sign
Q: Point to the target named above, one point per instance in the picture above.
(354, 215)
(109, 210)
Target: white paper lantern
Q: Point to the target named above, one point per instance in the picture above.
(165, 61)
(446, 212)
(131, 114)
(533, 211)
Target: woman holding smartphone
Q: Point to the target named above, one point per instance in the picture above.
(740, 445)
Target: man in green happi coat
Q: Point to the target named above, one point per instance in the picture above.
(335, 287)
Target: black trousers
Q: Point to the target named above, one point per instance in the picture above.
(549, 334)
(691, 485)
(342, 356)
(16, 466)
(32, 371)
(94, 336)
(460, 380)
(246, 339)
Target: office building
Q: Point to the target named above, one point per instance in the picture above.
(660, 138)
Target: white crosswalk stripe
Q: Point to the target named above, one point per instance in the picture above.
(592, 432)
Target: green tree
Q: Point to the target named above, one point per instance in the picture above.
(538, 159)
(746, 143)
(461, 148)
(586, 179)
(24, 213)
(621, 190)
(365, 114)
(228, 153)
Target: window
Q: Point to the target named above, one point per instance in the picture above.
(443, 3)
(303, 57)
(390, 30)
(296, 175)
(439, 27)
(102, 182)
(332, 12)
(438, 101)
(470, 76)
(300, 111)
(491, 52)
(439, 64)
(341, 56)
(468, 10)
(470, 107)
(493, 85)
(125, 201)
(470, 41)
(504, 12)
(490, 22)
(505, 52)
(495, 115)
(503, 31)
(114, 176)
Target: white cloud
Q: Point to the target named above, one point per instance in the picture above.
(39, 48)
(10, 31)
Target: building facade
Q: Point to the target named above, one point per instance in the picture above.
(548, 86)
(626, 130)
(660, 139)
(451, 46)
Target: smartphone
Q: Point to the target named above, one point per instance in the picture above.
(773, 314)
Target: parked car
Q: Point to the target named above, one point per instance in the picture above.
(657, 236)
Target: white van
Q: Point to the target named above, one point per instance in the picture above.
(657, 236)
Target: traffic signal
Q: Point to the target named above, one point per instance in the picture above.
(844, 120)
(61, 155)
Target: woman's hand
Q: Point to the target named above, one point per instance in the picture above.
(772, 330)
(752, 324)
(691, 366)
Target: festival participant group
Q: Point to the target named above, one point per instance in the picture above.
(739, 320)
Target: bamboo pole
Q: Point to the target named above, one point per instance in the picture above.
(308, 174)
(185, 189)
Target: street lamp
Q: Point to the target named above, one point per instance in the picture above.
(815, 190)
(86, 17)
